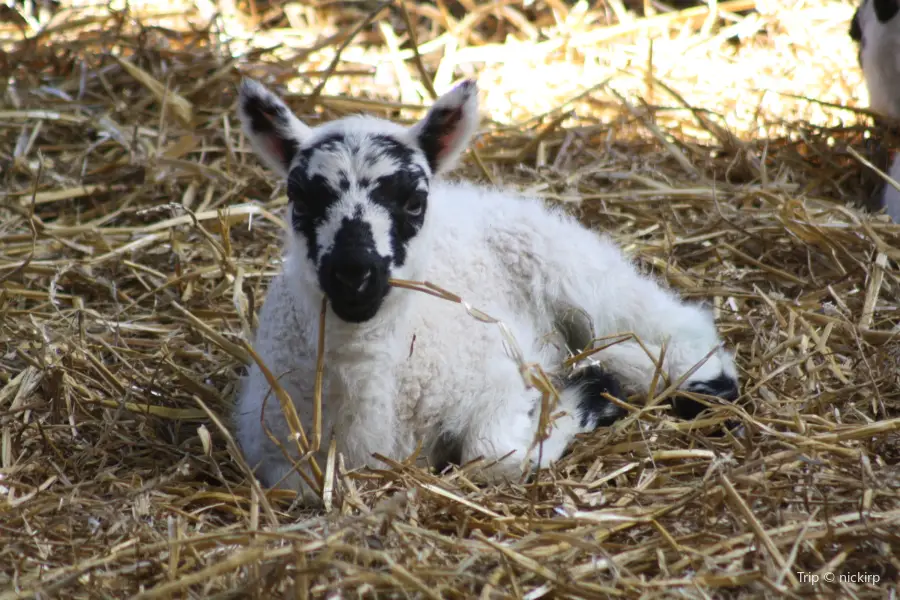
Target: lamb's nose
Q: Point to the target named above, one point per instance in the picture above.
(354, 278)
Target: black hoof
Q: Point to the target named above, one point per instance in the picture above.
(593, 382)
(723, 387)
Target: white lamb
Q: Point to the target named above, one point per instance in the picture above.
(876, 28)
(367, 204)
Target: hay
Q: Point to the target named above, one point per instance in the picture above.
(138, 235)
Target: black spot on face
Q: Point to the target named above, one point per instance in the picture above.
(594, 382)
(401, 194)
(311, 196)
(885, 10)
(388, 147)
(404, 193)
(329, 143)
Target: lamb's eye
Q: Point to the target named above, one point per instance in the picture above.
(296, 193)
(309, 197)
(296, 197)
(415, 204)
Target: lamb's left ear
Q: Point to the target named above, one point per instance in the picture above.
(448, 127)
(275, 132)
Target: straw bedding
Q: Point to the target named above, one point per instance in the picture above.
(138, 235)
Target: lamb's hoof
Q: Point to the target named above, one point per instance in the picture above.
(723, 387)
(594, 382)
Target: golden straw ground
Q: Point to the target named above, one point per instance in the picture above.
(138, 235)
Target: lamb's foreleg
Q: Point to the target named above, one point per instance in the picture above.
(265, 437)
(365, 410)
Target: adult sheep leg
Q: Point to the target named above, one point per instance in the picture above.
(890, 194)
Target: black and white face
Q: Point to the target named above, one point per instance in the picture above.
(876, 29)
(871, 19)
(358, 187)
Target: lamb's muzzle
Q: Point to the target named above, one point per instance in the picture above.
(354, 277)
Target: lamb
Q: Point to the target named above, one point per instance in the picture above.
(876, 28)
(368, 202)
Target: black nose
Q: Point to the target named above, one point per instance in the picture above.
(353, 278)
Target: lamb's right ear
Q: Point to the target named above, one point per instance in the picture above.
(274, 131)
(449, 125)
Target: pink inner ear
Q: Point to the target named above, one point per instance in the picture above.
(272, 142)
(269, 116)
(276, 148)
(452, 132)
(447, 141)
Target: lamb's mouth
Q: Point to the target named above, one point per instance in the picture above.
(358, 309)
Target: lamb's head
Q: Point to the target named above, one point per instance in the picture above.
(876, 28)
(358, 189)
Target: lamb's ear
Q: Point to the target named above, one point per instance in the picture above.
(447, 128)
(274, 131)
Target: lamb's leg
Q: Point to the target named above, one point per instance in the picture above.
(362, 429)
(365, 410)
(284, 342)
(506, 436)
(259, 418)
(568, 267)
(636, 365)
(280, 473)
(504, 440)
(635, 304)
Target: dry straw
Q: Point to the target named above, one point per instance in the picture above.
(722, 147)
